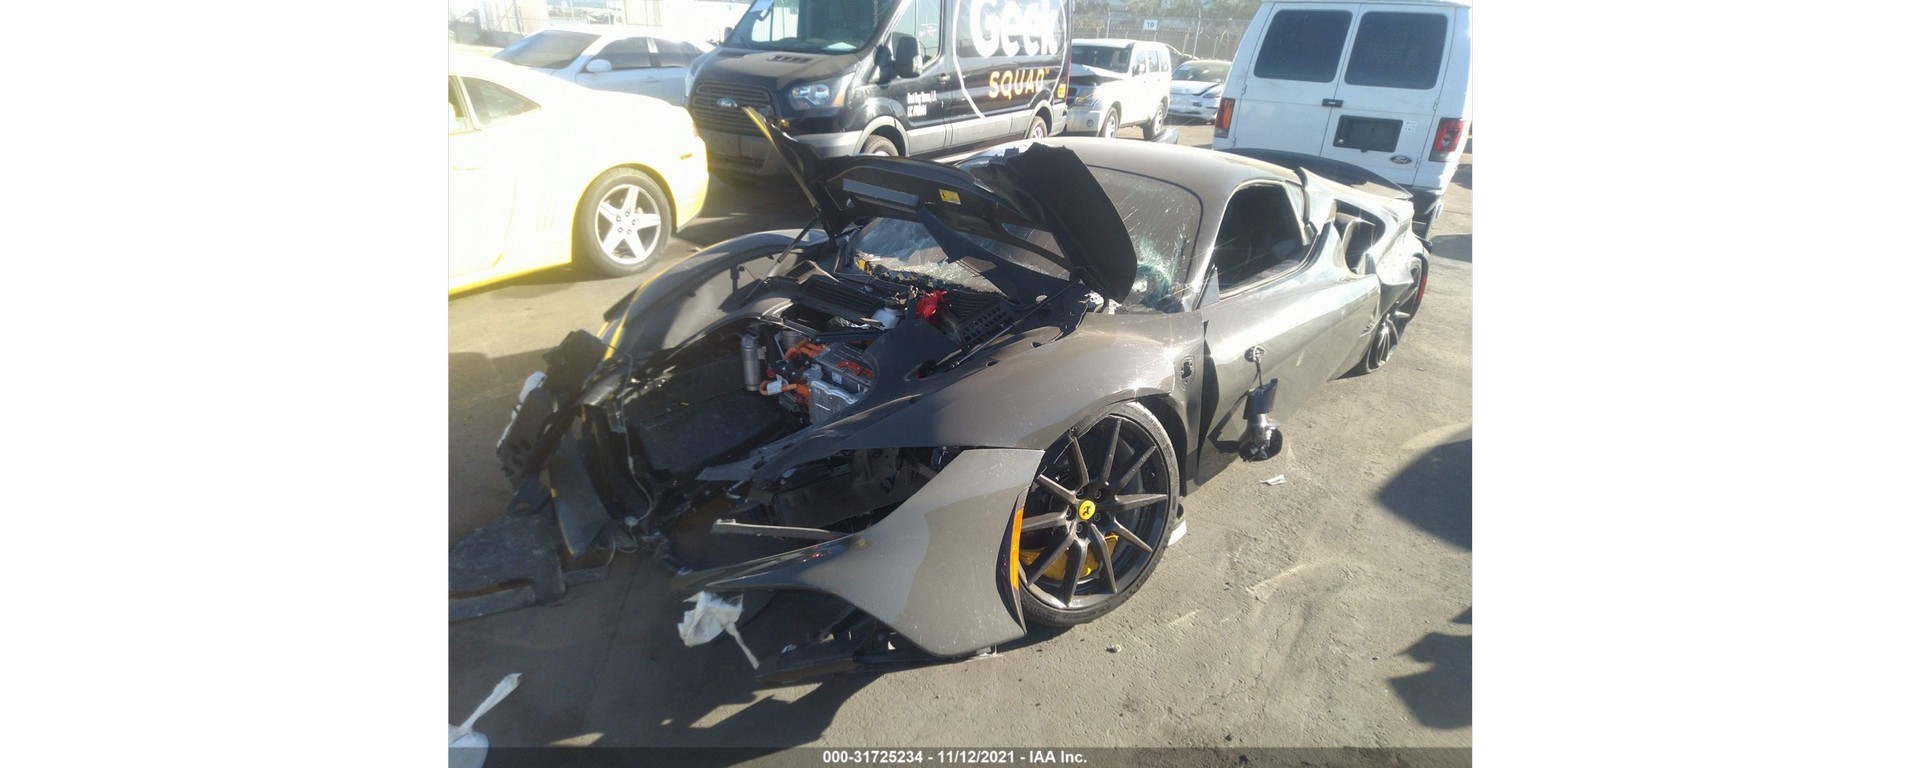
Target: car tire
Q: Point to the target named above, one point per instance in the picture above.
(1038, 130)
(879, 145)
(1110, 124)
(1104, 503)
(623, 222)
(1392, 328)
(1157, 124)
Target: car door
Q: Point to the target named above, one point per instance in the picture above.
(631, 66)
(931, 101)
(1284, 101)
(479, 189)
(1383, 114)
(486, 163)
(1286, 308)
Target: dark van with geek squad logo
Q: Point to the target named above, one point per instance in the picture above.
(890, 77)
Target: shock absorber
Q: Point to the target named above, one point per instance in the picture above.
(750, 360)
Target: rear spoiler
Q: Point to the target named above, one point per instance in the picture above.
(1327, 168)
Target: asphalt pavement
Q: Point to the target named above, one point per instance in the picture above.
(1333, 609)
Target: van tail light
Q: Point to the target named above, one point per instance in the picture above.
(1224, 121)
(1446, 140)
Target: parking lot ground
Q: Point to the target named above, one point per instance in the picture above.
(1331, 610)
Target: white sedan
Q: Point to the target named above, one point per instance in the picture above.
(542, 172)
(643, 60)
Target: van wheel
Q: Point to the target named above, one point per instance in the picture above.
(1039, 129)
(1110, 124)
(1157, 124)
(879, 145)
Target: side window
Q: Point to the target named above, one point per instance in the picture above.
(631, 53)
(458, 120)
(492, 103)
(676, 54)
(920, 20)
(1259, 237)
(1303, 45)
(1398, 50)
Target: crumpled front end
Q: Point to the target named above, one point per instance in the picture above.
(908, 537)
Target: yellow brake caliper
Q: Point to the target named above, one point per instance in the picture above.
(1058, 570)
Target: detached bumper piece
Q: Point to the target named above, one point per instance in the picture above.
(514, 563)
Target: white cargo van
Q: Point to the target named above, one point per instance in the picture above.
(1385, 86)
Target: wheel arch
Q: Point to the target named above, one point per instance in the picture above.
(889, 128)
(1168, 413)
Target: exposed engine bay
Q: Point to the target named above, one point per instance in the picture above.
(816, 353)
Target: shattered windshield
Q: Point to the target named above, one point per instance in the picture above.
(906, 246)
(1160, 218)
(811, 26)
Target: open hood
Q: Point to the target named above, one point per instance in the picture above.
(1042, 187)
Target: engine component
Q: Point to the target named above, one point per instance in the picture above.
(846, 366)
(972, 318)
(750, 360)
(824, 400)
(839, 377)
(929, 305)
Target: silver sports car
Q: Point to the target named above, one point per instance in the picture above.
(969, 398)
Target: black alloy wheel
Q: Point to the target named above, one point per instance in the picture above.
(1392, 328)
(1098, 517)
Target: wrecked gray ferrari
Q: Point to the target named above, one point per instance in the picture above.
(968, 398)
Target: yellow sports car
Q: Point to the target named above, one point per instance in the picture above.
(542, 172)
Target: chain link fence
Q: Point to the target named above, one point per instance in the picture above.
(1201, 38)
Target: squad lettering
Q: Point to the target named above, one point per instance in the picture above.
(1013, 28)
(1007, 84)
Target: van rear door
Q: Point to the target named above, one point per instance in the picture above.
(1293, 78)
(1383, 115)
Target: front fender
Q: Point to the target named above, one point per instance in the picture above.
(933, 570)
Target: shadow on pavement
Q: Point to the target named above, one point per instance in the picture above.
(605, 667)
(1441, 697)
(1435, 492)
(772, 202)
(1456, 247)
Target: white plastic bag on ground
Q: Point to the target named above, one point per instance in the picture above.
(710, 615)
(467, 748)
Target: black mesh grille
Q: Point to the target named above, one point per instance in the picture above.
(708, 114)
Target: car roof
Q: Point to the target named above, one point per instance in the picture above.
(621, 30)
(1211, 175)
